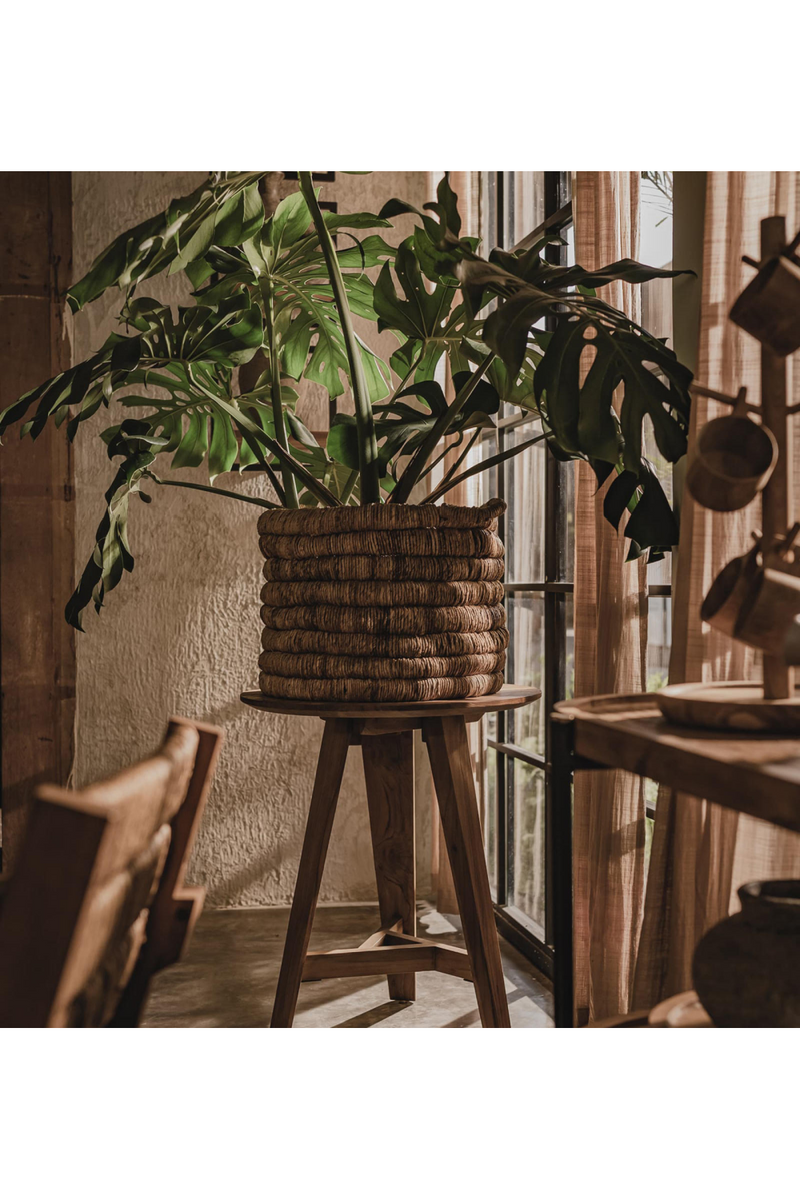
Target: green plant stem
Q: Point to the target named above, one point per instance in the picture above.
(254, 434)
(313, 485)
(347, 490)
(435, 462)
(387, 408)
(414, 469)
(273, 478)
(367, 444)
(484, 465)
(215, 491)
(452, 470)
(289, 486)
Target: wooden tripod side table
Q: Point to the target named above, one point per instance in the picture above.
(385, 734)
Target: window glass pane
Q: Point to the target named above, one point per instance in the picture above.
(528, 187)
(659, 627)
(569, 237)
(490, 818)
(524, 491)
(569, 657)
(528, 818)
(525, 665)
(483, 486)
(565, 544)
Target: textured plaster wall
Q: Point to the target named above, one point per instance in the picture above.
(181, 634)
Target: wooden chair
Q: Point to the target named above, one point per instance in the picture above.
(97, 903)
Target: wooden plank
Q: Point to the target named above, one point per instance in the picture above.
(472, 709)
(90, 867)
(377, 939)
(389, 774)
(330, 768)
(755, 775)
(446, 738)
(37, 650)
(42, 908)
(176, 908)
(452, 960)
(378, 960)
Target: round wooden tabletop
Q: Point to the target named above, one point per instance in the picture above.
(472, 709)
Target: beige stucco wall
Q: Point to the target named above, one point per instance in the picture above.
(181, 634)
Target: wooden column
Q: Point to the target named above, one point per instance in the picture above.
(37, 650)
(776, 501)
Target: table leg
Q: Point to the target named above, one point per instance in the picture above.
(448, 747)
(330, 767)
(561, 767)
(389, 773)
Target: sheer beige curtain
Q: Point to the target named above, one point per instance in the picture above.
(610, 656)
(701, 853)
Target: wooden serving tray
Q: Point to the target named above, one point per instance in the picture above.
(735, 705)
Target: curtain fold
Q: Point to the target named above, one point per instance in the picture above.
(702, 853)
(610, 656)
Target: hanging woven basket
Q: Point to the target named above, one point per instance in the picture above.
(382, 603)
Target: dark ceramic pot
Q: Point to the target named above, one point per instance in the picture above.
(746, 970)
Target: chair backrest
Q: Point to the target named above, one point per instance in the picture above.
(97, 902)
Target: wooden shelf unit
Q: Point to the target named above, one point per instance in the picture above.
(754, 774)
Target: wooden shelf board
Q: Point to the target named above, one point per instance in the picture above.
(755, 774)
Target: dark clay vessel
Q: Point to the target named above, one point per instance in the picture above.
(746, 970)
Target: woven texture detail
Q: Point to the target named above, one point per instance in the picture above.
(383, 603)
(379, 691)
(386, 567)
(337, 521)
(384, 645)
(347, 666)
(382, 595)
(450, 543)
(329, 618)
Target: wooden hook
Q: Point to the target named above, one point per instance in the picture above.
(789, 251)
(738, 402)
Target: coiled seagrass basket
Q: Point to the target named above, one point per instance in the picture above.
(387, 602)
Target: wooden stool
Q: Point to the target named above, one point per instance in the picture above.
(385, 734)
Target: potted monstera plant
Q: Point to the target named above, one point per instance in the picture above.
(366, 595)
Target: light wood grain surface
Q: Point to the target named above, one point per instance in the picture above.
(759, 775)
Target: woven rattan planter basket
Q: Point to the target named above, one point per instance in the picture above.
(387, 602)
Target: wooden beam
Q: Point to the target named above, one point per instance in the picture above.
(378, 960)
(377, 939)
(37, 648)
(451, 960)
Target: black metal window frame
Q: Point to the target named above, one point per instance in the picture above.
(535, 942)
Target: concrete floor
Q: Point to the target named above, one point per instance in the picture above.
(229, 976)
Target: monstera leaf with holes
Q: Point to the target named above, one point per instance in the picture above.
(261, 285)
(594, 376)
(224, 211)
(284, 263)
(279, 292)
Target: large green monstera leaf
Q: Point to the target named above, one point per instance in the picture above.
(260, 285)
(224, 211)
(594, 376)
